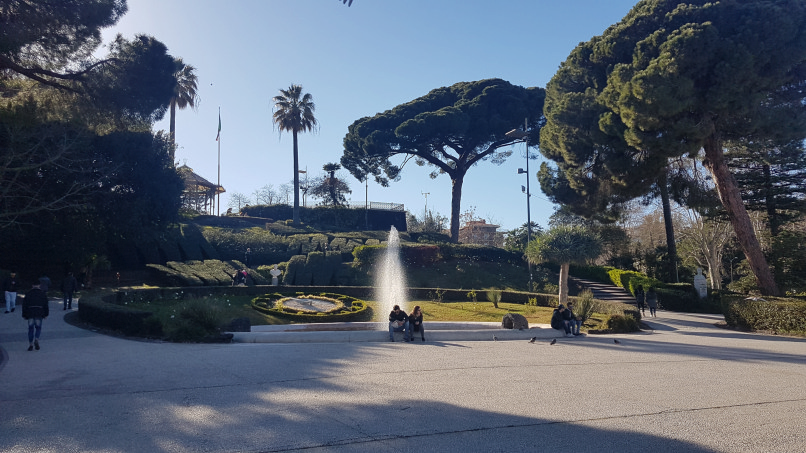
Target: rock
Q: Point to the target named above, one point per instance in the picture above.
(514, 321)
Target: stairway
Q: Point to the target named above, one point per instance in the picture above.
(604, 291)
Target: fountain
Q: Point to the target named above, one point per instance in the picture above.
(390, 282)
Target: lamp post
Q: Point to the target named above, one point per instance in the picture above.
(366, 201)
(305, 187)
(517, 134)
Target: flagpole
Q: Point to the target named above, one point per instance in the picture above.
(218, 184)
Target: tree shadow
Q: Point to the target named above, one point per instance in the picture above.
(637, 343)
(174, 422)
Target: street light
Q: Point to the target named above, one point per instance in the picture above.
(305, 187)
(524, 135)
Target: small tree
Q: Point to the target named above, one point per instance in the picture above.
(564, 245)
(430, 222)
(330, 188)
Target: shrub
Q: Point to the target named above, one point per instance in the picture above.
(494, 296)
(436, 295)
(779, 315)
(622, 324)
(585, 305)
(195, 321)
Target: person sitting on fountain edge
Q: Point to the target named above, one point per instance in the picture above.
(416, 323)
(399, 321)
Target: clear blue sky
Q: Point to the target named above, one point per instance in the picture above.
(355, 62)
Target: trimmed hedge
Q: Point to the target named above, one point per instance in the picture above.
(424, 254)
(202, 273)
(98, 310)
(671, 296)
(776, 314)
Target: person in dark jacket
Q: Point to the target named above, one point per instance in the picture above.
(35, 309)
(416, 323)
(399, 321)
(652, 301)
(239, 278)
(640, 298)
(247, 256)
(559, 322)
(10, 287)
(69, 286)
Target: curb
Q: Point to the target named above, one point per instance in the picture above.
(361, 333)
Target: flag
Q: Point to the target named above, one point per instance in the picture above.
(219, 127)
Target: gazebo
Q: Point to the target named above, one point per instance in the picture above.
(199, 194)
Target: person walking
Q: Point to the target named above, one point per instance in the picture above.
(247, 256)
(652, 301)
(34, 310)
(639, 299)
(69, 286)
(10, 286)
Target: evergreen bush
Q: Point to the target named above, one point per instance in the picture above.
(776, 314)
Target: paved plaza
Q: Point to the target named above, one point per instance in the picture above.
(685, 386)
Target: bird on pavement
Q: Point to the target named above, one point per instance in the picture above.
(616, 341)
(495, 338)
(533, 340)
(553, 342)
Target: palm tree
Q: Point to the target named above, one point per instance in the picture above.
(293, 111)
(564, 245)
(184, 95)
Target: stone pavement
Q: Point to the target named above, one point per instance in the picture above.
(683, 386)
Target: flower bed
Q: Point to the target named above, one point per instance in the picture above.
(344, 308)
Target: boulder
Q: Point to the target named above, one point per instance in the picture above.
(514, 321)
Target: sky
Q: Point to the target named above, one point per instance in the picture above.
(356, 62)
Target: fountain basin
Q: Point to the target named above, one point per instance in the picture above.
(377, 332)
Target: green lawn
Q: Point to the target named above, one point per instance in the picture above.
(239, 307)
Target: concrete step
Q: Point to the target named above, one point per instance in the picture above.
(360, 333)
(604, 291)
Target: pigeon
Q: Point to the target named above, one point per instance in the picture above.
(616, 341)
(553, 342)
(533, 340)
(495, 338)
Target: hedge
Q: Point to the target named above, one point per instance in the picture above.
(776, 314)
(97, 310)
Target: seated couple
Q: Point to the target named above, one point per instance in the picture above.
(564, 319)
(399, 321)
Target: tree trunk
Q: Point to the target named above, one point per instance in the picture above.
(671, 245)
(172, 131)
(732, 202)
(564, 267)
(456, 201)
(296, 180)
